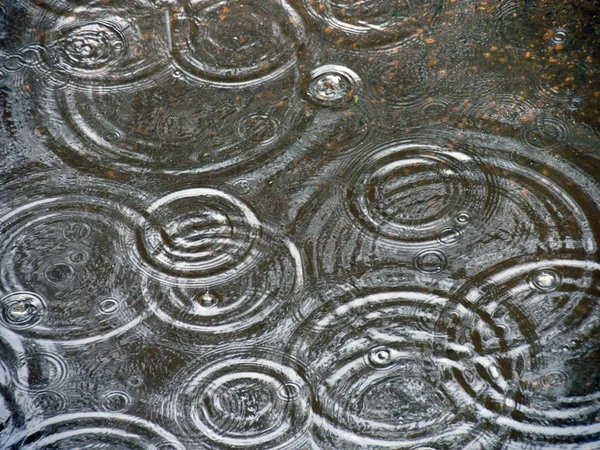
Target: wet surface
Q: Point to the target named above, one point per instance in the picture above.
(299, 224)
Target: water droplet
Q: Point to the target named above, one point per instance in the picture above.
(108, 306)
(333, 85)
(21, 309)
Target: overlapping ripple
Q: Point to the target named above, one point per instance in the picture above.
(174, 126)
(106, 44)
(299, 224)
(64, 275)
(213, 266)
(448, 204)
(368, 351)
(520, 338)
(370, 24)
(236, 41)
(95, 430)
(240, 398)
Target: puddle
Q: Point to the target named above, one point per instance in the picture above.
(299, 224)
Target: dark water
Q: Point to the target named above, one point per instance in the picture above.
(299, 224)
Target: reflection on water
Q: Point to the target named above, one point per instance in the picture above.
(299, 224)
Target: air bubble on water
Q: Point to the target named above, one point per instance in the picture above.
(380, 357)
(559, 37)
(208, 300)
(333, 85)
(545, 280)
(463, 218)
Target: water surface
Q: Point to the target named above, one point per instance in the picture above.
(299, 224)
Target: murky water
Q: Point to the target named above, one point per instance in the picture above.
(299, 224)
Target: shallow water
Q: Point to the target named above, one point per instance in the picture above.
(299, 224)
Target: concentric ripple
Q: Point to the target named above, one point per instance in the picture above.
(398, 200)
(370, 23)
(247, 398)
(16, 406)
(369, 360)
(97, 46)
(403, 79)
(549, 133)
(236, 41)
(214, 267)
(62, 258)
(196, 233)
(42, 370)
(449, 205)
(95, 430)
(171, 126)
(410, 192)
(520, 339)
